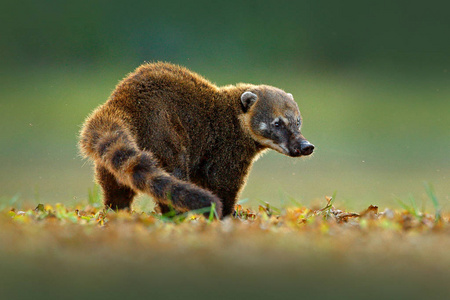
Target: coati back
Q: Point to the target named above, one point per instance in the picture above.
(172, 134)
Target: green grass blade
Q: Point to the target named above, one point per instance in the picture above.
(333, 197)
(242, 201)
(212, 212)
(14, 199)
(272, 208)
(404, 206)
(415, 211)
(94, 198)
(432, 195)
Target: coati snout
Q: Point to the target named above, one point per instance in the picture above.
(170, 133)
(274, 120)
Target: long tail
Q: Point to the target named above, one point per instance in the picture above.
(108, 141)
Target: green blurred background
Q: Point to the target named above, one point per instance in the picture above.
(372, 81)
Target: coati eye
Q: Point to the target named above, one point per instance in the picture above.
(298, 122)
(277, 124)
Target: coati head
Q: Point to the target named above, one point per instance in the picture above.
(272, 118)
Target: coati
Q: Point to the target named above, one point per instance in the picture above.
(172, 134)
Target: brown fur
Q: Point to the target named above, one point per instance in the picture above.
(172, 134)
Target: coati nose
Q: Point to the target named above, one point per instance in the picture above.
(306, 148)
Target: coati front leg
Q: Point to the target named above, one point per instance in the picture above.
(224, 180)
(116, 195)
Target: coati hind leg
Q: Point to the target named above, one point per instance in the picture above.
(178, 170)
(116, 195)
(173, 155)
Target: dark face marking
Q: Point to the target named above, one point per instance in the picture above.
(276, 122)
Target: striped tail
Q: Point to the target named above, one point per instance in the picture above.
(109, 143)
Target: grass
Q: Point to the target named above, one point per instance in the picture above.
(434, 200)
(259, 253)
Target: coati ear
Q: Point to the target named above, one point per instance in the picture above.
(247, 100)
(290, 96)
